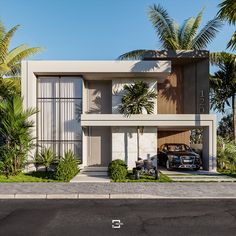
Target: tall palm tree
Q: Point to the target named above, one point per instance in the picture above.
(228, 12)
(10, 60)
(223, 84)
(175, 37)
(137, 98)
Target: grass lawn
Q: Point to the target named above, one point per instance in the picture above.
(228, 172)
(147, 178)
(29, 177)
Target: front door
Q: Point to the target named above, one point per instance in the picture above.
(99, 148)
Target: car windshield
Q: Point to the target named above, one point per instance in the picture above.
(176, 147)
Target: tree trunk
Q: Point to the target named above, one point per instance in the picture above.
(234, 116)
(137, 143)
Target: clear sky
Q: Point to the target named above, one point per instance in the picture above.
(97, 29)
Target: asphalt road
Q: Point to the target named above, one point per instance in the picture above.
(137, 217)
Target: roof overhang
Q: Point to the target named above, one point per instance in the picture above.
(161, 120)
(103, 70)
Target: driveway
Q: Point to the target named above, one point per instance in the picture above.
(182, 175)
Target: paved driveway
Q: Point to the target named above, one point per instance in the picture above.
(181, 175)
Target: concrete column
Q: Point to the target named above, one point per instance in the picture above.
(209, 148)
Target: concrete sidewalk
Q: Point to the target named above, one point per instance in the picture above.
(117, 190)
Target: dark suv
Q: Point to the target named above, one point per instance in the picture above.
(178, 155)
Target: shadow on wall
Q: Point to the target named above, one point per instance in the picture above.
(146, 66)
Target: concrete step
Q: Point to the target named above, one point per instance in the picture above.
(94, 168)
(94, 173)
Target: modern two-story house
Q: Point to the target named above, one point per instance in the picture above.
(78, 100)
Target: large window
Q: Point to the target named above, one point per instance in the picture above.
(59, 102)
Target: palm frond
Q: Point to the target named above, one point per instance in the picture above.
(162, 23)
(232, 43)
(228, 11)
(5, 41)
(2, 30)
(185, 30)
(135, 54)
(15, 51)
(219, 58)
(207, 34)
(17, 57)
(192, 30)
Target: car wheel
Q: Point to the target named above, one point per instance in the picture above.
(168, 165)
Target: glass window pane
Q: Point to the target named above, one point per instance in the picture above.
(70, 87)
(48, 87)
(70, 124)
(48, 119)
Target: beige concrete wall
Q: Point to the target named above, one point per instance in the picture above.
(99, 97)
(124, 144)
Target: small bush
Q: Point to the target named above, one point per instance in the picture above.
(119, 173)
(67, 167)
(117, 170)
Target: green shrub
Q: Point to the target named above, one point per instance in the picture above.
(115, 163)
(67, 167)
(119, 173)
(46, 157)
(117, 170)
(226, 155)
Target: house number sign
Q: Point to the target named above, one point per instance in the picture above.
(202, 102)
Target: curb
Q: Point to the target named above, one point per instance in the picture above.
(103, 196)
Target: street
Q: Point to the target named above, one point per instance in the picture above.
(130, 217)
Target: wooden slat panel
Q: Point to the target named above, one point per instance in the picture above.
(173, 137)
(170, 93)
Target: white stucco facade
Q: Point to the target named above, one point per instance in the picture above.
(123, 129)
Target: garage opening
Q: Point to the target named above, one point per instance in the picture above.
(194, 138)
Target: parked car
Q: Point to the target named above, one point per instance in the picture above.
(178, 155)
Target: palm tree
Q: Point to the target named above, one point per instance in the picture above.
(15, 132)
(223, 84)
(175, 37)
(10, 60)
(228, 12)
(137, 98)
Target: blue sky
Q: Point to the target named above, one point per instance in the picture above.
(97, 29)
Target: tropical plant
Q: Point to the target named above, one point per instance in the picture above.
(9, 87)
(223, 84)
(67, 167)
(175, 37)
(137, 98)
(45, 157)
(10, 60)
(228, 12)
(226, 155)
(225, 127)
(15, 133)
